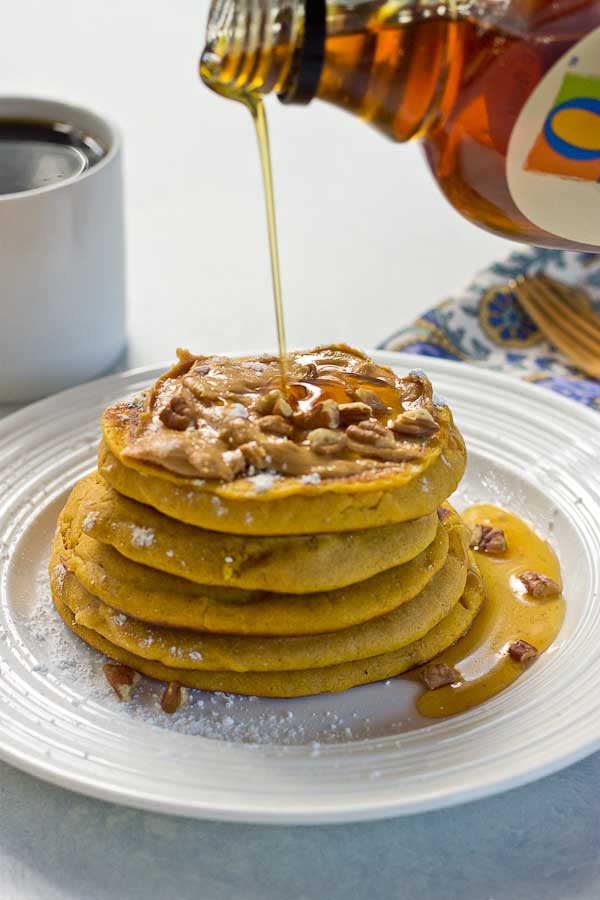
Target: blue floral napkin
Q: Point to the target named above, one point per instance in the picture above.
(484, 324)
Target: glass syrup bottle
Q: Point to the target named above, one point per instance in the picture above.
(503, 94)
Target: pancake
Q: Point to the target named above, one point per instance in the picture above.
(163, 599)
(180, 648)
(291, 564)
(308, 681)
(196, 475)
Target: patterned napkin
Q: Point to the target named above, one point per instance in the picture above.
(484, 324)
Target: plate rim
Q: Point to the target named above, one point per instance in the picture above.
(375, 804)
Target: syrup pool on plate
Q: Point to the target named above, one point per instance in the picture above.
(481, 659)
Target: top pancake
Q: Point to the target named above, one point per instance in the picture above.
(350, 445)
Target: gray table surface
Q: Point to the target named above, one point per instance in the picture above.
(539, 841)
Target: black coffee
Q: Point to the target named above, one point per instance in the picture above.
(38, 154)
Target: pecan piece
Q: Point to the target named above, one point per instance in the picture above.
(488, 539)
(282, 408)
(326, 442)
(371, 399)
(324, 414)
(522, 651)
(371, 432)
(275, 425)
(443, 513)
(354, 412)
(121, 678)
(437, 675)
(273, 402)
(174, 697)
(539, 585)
(236, 432)
(178, 414)
(417, 421)
(255, 455)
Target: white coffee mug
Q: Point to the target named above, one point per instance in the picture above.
(62, 266)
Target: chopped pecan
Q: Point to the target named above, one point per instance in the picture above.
(282, 408)
(371, 432)
(488, 539)
(236, 432)
(174, 697)
(275, 425)
(273, 402)
(522, 651)
(122, 679)
(417, 421)
(539, 585)
(255, 455)
(178, 414)
(437, 675)
(354, 412)
(326, 442)
(371, 399)
(324, 414)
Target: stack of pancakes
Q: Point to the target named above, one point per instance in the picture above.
(278, 540)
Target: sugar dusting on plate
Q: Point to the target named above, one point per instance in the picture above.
(313, 722)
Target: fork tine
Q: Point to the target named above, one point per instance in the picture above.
(573, 342)
(585, 353)
(563, 296)
(548, 309)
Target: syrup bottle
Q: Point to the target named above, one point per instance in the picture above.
(504, 94)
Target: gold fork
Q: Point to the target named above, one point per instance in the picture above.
(566, 317)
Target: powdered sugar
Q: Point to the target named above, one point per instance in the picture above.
(312, 722)
(264, 482)
(60, 573)
(217, 505)
(255, 364)
(312, 478)
(142, 537)
(89, 521)
(236, 411)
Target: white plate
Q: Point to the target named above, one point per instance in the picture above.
(363, 754)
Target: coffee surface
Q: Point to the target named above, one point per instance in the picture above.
(39, 154)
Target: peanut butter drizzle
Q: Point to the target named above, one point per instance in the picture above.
(481, 658)
(209, 417)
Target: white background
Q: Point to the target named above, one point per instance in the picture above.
(367, 241)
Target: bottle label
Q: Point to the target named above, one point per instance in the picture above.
(553, 159)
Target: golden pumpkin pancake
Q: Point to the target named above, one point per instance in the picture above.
(217, 652)
(348, 445)
(290, 564)
(306, 681)
(163, 599)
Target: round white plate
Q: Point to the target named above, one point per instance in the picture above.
(363, 754)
